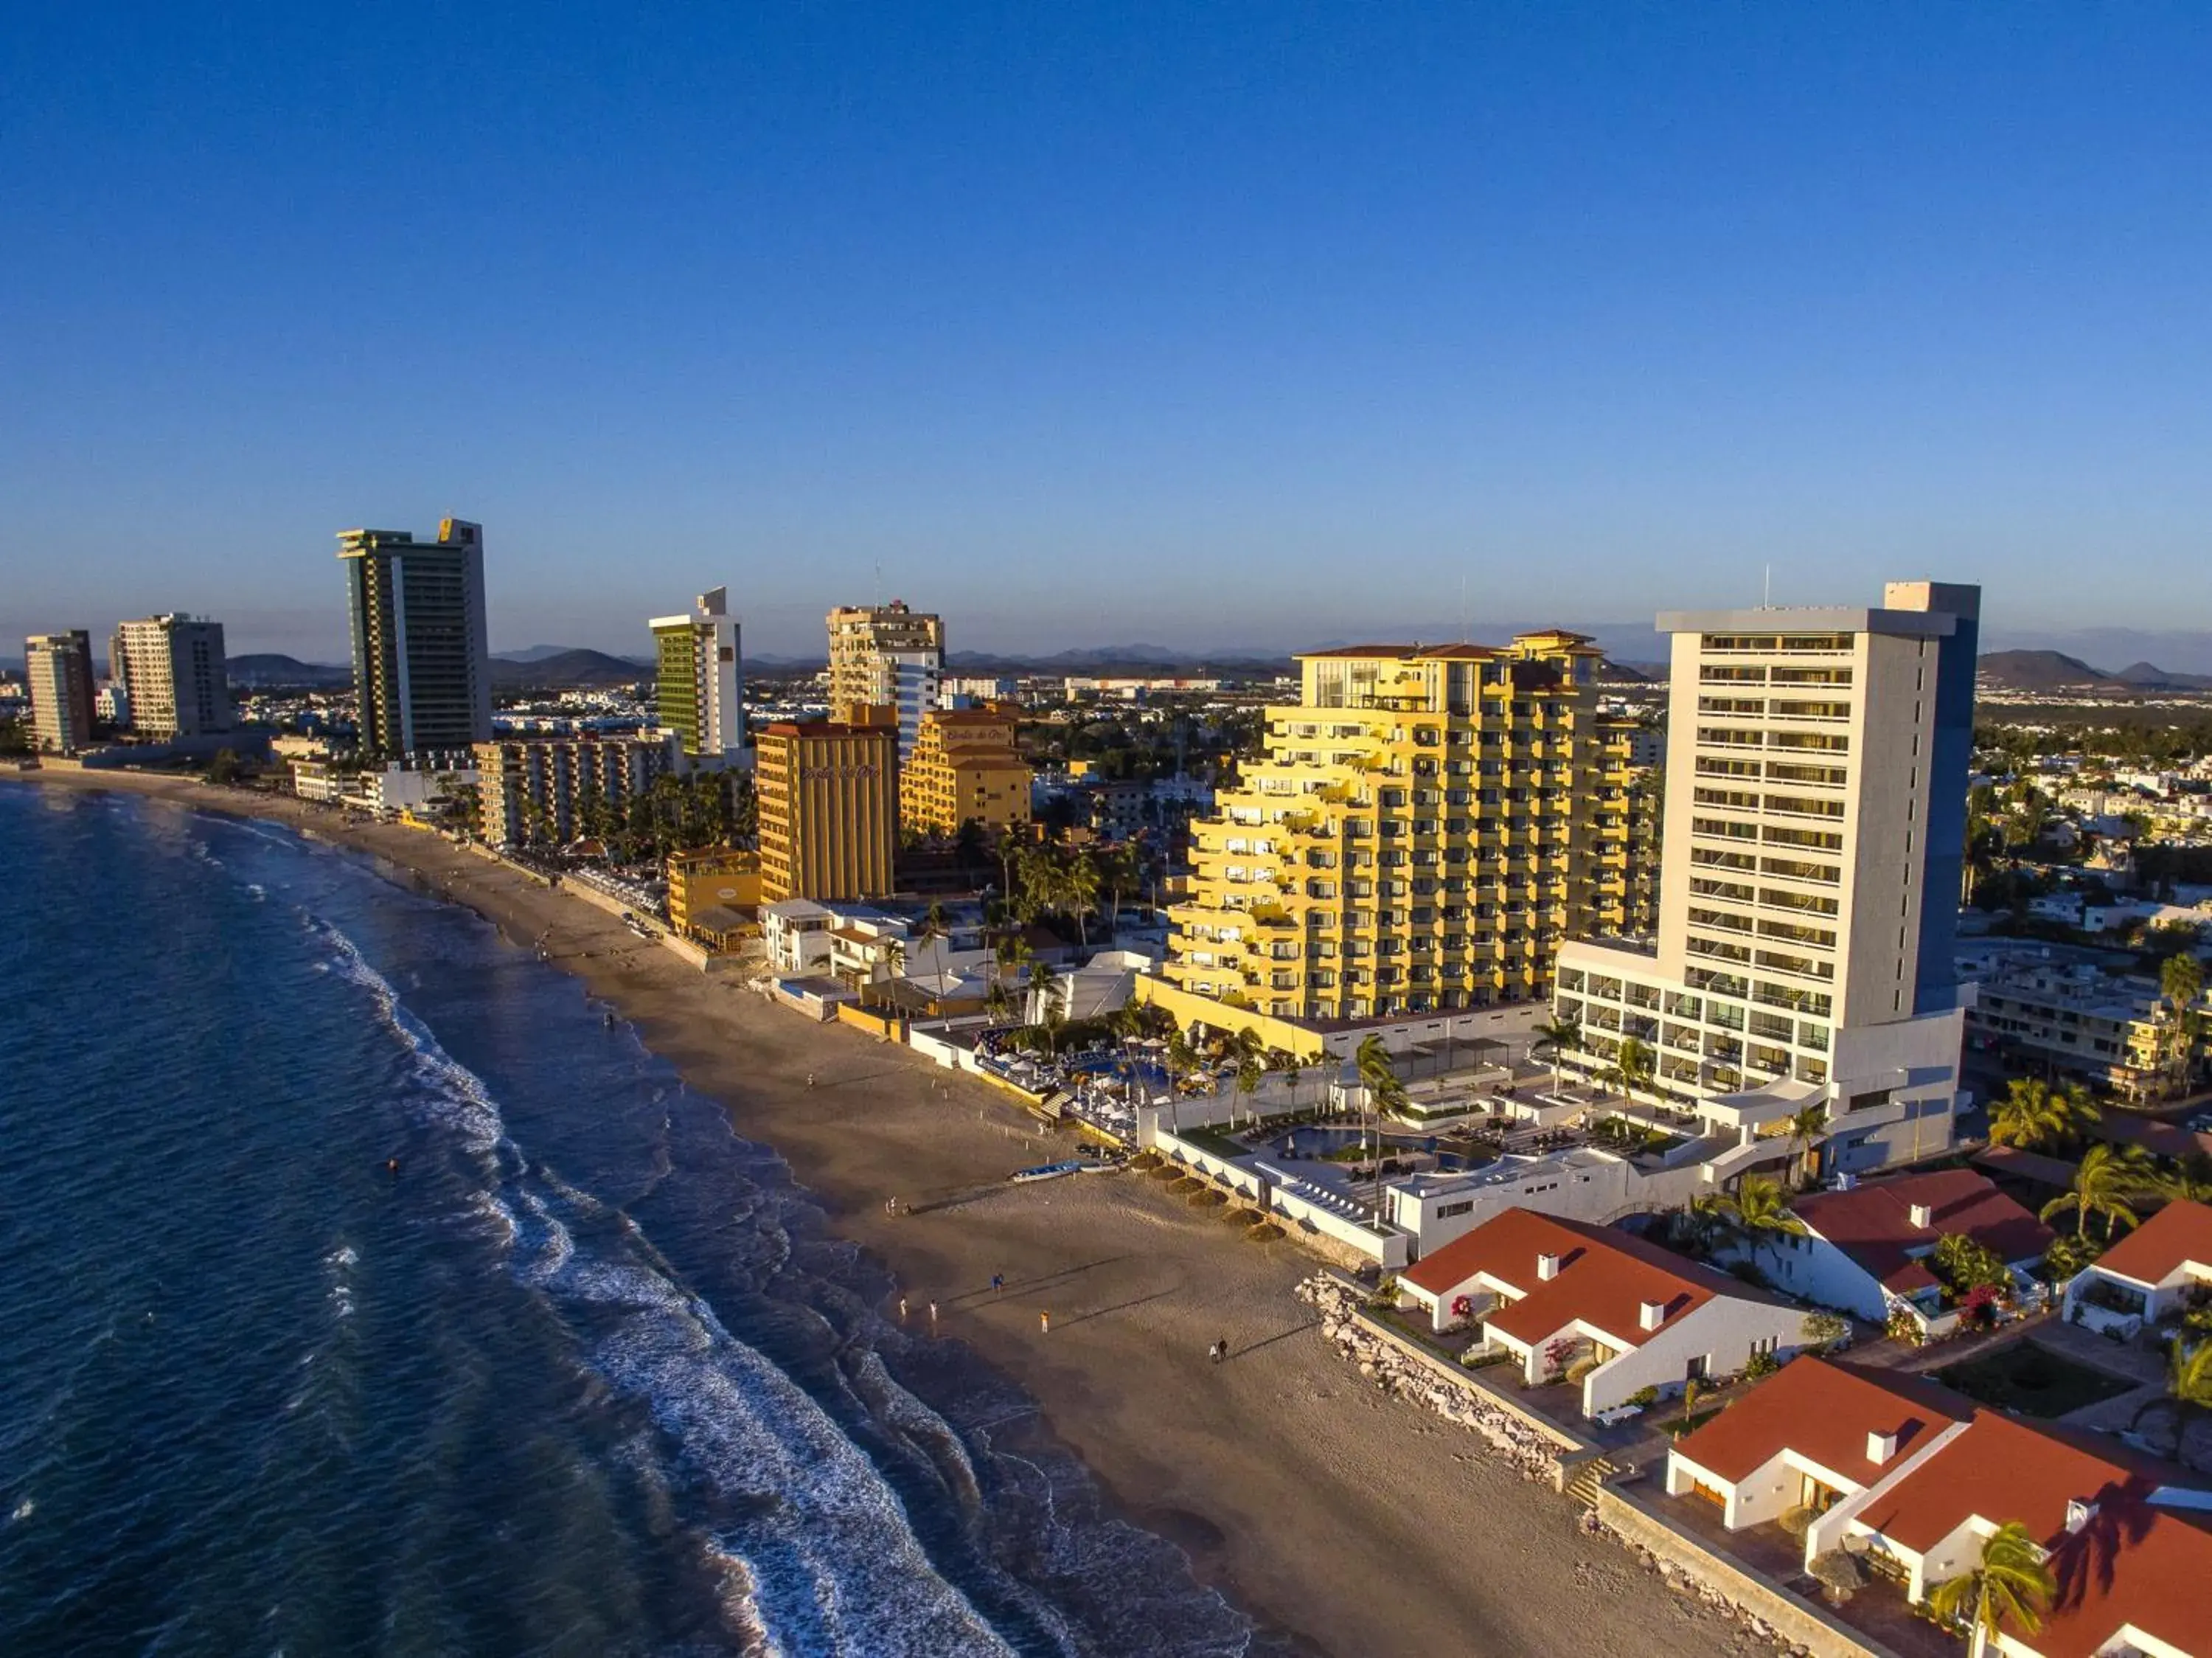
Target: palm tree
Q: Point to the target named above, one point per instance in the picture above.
(2108, 1177)
(1249, 1070)
(2011, 1582)
(2190, 1180)
(1562, 1037)
(1384, 1093)
(934, 932)
(1759, 1210)
(1076, 888)
(1636, 1062)
(1045, 985)
(1807, 1122)
(2188, 1387)
(2181, 981)
(2034, 1113)
(894, 961)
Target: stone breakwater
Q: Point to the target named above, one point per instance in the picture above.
(1683, 1580)
(1528, 1452)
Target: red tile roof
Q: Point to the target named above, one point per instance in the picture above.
(1824, 1412)
(2180, 1232)
(1872, 1223)
(1604, 1276)
(2132, 1564)
(2002, 1469)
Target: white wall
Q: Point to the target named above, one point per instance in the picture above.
(1820, 1272)
(1723, 1328)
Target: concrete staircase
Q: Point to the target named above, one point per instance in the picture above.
(1583, 1481)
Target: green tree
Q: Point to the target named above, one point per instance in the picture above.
(1758, 1210)
(2188, 1387)
(1638, 1063)
(2034, 1113)
(1962, 1263)
(1384, 1094)
(1805, 1126)
(1560, 1037)
(2109, 1178)
(2181, 981)
(2011, 1582)
(932, 933)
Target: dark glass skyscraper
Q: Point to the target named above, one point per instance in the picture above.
(422, 654)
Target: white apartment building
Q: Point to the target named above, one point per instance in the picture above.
(174, 675)
(1814, 831)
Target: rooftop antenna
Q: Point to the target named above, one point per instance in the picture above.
(1465, 626)
(877, 602)
(1766, 592)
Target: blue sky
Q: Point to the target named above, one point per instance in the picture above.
(1210, 325)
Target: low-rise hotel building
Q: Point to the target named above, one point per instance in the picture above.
(964, 769)
(1427, 826)
(829, 810)
(706, 887)
(538, 790)
(1813, 831)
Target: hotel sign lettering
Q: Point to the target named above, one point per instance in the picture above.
(835, 773)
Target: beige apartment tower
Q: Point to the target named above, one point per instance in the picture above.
(1426, 825)
(59, 666)
(885, 656)
(174, 674)
(829, 810)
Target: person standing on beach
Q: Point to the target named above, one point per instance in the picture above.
(901, 1309)
(932, 1315)
(1044, 1324)
(998, 1282)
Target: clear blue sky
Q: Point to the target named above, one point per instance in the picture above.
(1230, 324)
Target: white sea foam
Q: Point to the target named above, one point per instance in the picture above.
(829, 1563)
(22, 1511)
(448, 1092)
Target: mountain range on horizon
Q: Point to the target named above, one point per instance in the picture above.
(2155, 661)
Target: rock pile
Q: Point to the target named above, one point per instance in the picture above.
(1528, 1452)
(1684, 1582)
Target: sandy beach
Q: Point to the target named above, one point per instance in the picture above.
(1353, 1521)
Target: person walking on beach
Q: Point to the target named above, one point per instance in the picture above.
(932, 1315)
(1221, 1350)
(901, 1309)
(1044, 1324)
(998, 1282)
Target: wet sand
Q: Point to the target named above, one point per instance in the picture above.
(1353, 1521)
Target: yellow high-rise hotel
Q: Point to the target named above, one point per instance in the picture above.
(1427, 824)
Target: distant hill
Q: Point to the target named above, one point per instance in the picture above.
(2148, 676)
(273, 668)
(564, 669)
(2045, 670)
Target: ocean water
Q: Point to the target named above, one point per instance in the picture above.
(586, 1376)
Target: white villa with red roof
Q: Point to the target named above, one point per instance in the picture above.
(1865, 1250)
(1554, 1293)
(2155, 1271)
(1910, 1478)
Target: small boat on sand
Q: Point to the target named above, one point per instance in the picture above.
(1045, 1172)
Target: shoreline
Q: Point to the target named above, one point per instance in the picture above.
(1334, 1516)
